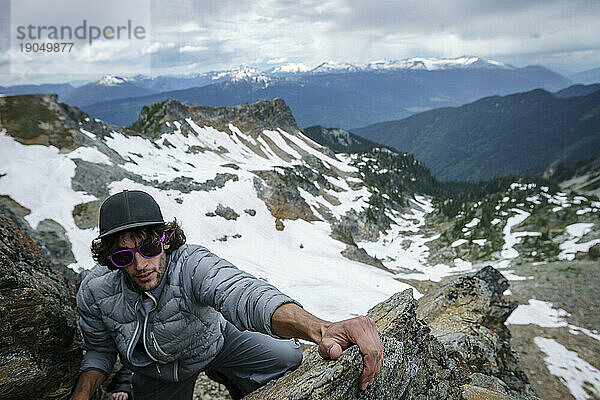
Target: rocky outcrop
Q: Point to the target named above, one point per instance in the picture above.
(415, 365)
(41, 119)
(37, 119)
(353, 252)
(450, 345)
(152, 117)
(49, 236)
(250, 118)
(40, 346)
(281, 195)
(467, 317)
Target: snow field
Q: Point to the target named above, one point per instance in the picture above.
(47, 192)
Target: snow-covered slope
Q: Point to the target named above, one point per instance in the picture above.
(225, 183)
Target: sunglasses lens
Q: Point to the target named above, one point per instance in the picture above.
(151, 249)
(122, 258)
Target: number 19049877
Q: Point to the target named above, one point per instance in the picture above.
(46, 47)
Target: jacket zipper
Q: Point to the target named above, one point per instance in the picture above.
(137, 326)
(157, 361)
(175, 372)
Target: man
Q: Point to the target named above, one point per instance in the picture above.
(171, 310)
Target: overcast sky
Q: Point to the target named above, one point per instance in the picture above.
(185, 36)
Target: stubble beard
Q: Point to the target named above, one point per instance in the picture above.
(159, 274)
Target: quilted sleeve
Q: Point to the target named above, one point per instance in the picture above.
(244, 300)
(101, 352)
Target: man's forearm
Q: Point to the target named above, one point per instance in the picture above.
(292, 321)
(87, 384)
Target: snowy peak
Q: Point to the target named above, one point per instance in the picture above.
(335, 67)
(111, 80)
(263, 133)
(432, 64)
(289, 68)
(240, 73)
(415, 63)
(253, 74)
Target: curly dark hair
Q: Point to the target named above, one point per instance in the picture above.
(103, 247)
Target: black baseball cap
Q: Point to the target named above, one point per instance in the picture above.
(128, 209)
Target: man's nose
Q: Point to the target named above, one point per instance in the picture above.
(140, 262)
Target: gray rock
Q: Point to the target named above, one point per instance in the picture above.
(40, 345)
(49, 236)
(281, 195)
(226, 212)
(415, 365)
(250, 118)
(441, 361)
(467, 316)
(355, 253)
(186, 184)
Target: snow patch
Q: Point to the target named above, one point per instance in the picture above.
(574, 372)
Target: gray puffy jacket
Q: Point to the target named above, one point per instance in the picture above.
(183, 331)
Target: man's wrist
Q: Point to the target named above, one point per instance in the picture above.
(318, 330)
(292, 321)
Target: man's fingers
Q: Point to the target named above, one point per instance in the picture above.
(368, 373)
(335, 351)
(363, 332)
(330, 349)
(372, 350)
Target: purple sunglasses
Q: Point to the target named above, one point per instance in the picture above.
(124, 258)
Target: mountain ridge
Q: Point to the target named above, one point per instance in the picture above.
(349, 99)
(481, 137)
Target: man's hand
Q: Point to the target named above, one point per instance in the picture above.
(361, 331)
(292, 321)
(120, 396)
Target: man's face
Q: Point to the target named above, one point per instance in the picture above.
(145, 273)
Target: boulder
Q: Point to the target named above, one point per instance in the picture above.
(451, 344)
(415, 364)
(467, 317)
(40, 345)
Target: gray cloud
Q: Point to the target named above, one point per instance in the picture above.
(194, 36)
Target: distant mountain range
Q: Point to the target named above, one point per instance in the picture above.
(107, 88)
(349, 98)
(578, 90)
(61, 89)
(498, 136)
(589, 76)
(331, 94)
